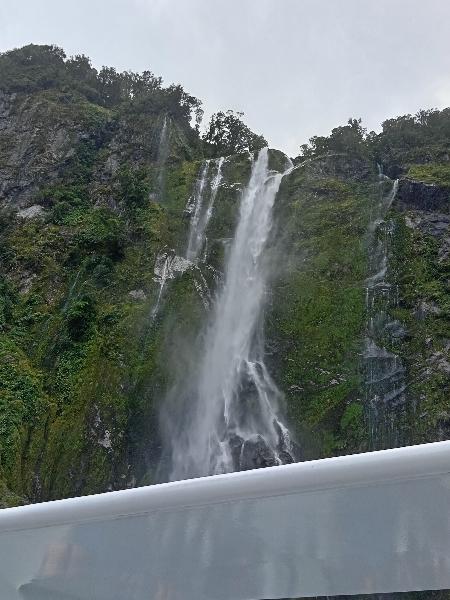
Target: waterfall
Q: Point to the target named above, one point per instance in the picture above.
(201, 215)
(168, 266)
(195, 205)
(163, 153)
(384, 373)
(230, 418)
(161, 271)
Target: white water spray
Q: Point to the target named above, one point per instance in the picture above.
(232, 420)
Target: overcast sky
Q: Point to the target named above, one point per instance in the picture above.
(296, 68)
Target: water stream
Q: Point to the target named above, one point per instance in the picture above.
(200, 206)
(384, 373)
(201, 209)
(163, 154)
(230, 418)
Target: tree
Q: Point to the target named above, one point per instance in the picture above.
(110, 86)
(79, 67)
(350, 138)
(182, 105)
(133, 186)
(228, 134)
(32, 67)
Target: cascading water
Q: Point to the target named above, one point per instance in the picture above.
(231, 417)
(201, 215)
(168, 264)
(163, 154)
(384, 374)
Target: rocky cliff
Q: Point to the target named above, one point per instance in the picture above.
(100, 305)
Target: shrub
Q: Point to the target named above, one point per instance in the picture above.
(80, 317)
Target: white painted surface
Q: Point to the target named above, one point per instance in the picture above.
(367, 523)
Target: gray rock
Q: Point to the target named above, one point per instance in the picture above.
(26, 282)
(338, 165)
(436, 224)
(35, 142)
(417, 195)
(256, 454)
(32, 212)
(138, 294)
(424, 309)
(439, 361)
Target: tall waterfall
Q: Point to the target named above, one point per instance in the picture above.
(231, 418)
(384, 373)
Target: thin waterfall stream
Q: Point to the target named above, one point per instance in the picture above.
(384, 372)
(201, 215)
(231, 418)
(168, 265)
(163, 154)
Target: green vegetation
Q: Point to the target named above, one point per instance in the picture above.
(408, 139)
(317, 311)
(417, 138)
(35, 68)
(431, 173)
(424, 308)
(350, 139)
(227, 134)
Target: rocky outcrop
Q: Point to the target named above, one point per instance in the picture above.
(32, 212)
(418, 195)
(434, 224)
(36, 137)
(338, 165)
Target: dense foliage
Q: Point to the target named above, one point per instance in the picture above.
(415, 138)
(348, 138)
(34, 68)
(228, 134)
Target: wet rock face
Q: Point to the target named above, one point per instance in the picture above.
(340, 165)
(394, 171)
(31, 212)
(256, 454)
(417, 195)
(435, 224)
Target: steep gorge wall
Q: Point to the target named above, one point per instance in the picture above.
(80, 234)
(94, 199)
(85, 365)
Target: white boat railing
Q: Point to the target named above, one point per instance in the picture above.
(360, 524)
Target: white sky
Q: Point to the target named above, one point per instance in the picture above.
(296, 68)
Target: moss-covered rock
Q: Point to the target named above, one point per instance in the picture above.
(316, 313)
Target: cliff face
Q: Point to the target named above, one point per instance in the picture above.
(100, 306)
(419, 268)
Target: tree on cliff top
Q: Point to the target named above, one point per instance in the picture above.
(35, 68)
(350, 139)
(228, 134)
